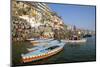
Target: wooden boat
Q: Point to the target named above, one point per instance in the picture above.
(30, 39)
(75, 41)
(43, 52)
(43, 45)
(34, 42)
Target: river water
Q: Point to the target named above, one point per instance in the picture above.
(82, 52)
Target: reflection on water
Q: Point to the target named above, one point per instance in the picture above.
(71, 53)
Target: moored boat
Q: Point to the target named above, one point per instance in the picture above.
(30, 39)
(42, 40)
(37, 41)
(43, 45)
(76, 41)
(43, 52)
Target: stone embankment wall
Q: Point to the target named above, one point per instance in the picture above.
(20, 29)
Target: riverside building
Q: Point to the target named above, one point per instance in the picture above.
(41, 19)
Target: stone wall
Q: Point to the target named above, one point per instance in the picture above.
(20, 28)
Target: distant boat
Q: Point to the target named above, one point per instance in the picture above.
(43, 52)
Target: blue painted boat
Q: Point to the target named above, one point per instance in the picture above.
(36, 42)
(39, 40)
(75, 41)
(43, 45)
(52, 48)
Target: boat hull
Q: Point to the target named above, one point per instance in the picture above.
(36, 42)
(48, 54)
(75, 41)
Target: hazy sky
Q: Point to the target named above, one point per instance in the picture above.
(80, 16)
